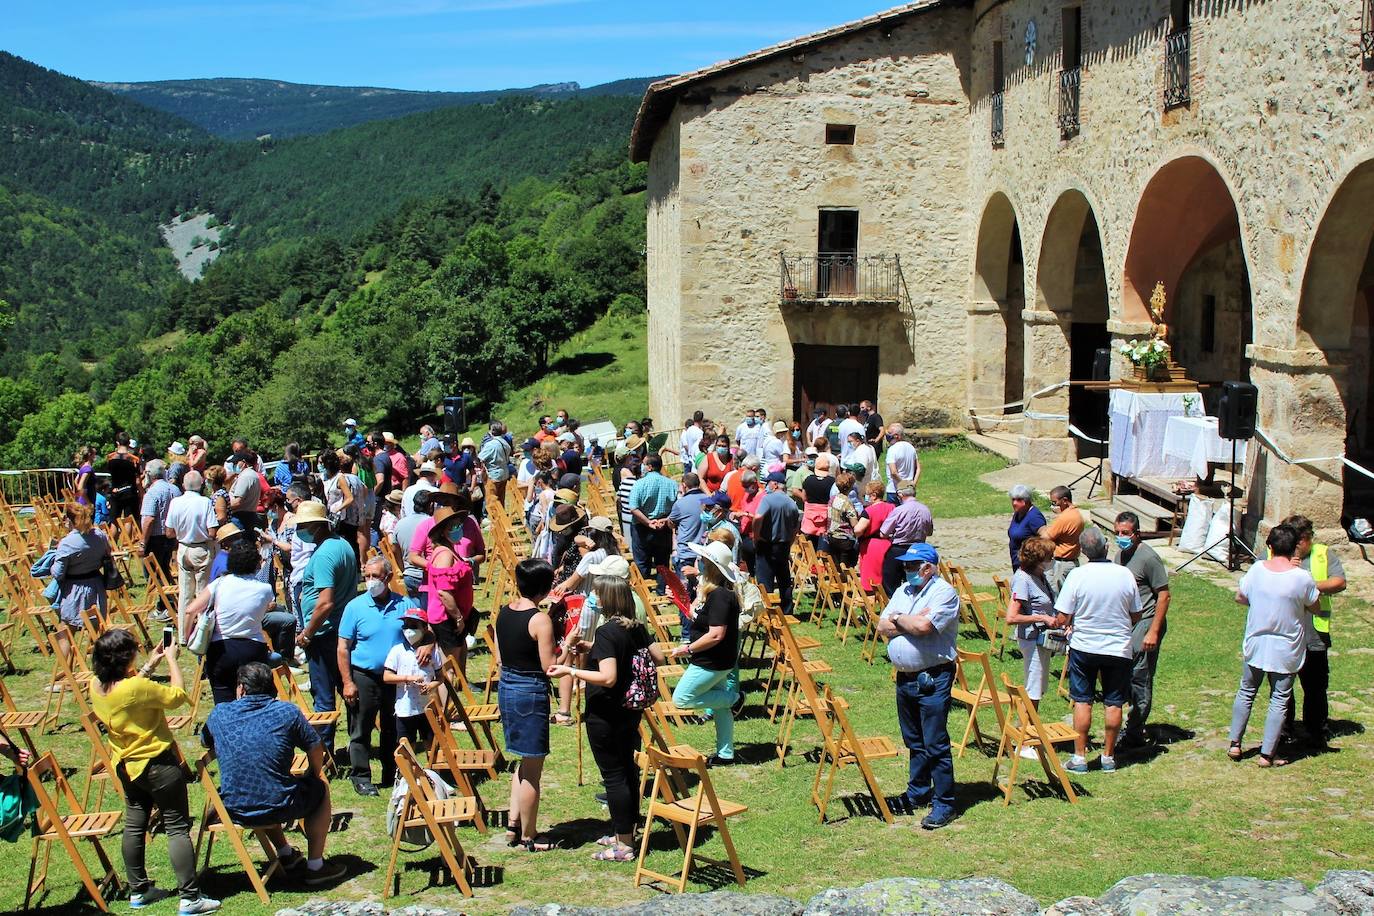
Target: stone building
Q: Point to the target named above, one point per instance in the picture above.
(955, 203)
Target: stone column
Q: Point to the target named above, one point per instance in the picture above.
(1047, 362)
(987, 362)
(1302, 410)
(1124, 332)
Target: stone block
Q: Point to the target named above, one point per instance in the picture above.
(901, 896)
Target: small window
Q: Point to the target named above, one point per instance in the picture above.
(1073, 37)
(999, 75)
(1178, 15)
(839, 134)
(1209, 324)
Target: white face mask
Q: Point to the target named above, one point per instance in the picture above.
(413, 635)
(376, 588)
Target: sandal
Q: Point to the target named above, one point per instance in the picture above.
(616, 853)
(538, 845)
(608, 840)
(1234, 752)
(513, 835)
(561, 718)
(1268, 760)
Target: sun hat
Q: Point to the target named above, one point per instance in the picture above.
(350, 422)
(633, 443)
(467, 443)
(616, 566)
(565, 496)
(226, 531)
(720, 556)
(389, 438)
(573, 518)
(395, 497)
(566, 437)
(312, 510)
(811, 451)
(442, 517)
(779, 426)
(429, 467)
(601, 523)
(919, 553)
(176, 448)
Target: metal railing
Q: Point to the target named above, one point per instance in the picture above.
(1178, 68)
(999, 137)
(874, 278)
(1070, 81)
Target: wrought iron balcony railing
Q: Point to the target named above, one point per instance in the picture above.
(1069, 83)
(999, 137)
(813, 278)
(1178, 69)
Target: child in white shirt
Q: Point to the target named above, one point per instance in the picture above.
(414, 682)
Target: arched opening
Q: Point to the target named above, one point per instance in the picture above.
(1072, 282)
(1335, 315)
(999, 281)
(1186, 235)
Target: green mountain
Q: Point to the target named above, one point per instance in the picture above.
(243, 109)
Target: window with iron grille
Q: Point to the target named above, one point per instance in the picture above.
(1071, 76)
(1367, 35)
(998, 85)
(1178, 54)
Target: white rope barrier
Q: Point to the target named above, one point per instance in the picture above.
(1025, 414)
(1084, 436)
(1263, 438)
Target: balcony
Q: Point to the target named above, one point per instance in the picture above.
(1069, 83)
(841, 278)
(1178, 56)
(999, 137)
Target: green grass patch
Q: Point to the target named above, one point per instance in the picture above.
(950, 483)
(1183, 808)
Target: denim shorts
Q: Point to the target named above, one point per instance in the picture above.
(1115, 672)
(523, 699)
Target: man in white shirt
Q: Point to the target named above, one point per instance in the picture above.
(775, 449)
(862, 456)
(848, 425)
(428, 474)
(689, 443)
(1102, 603)
(818, 426)
(902, 461)
(749, 433)
(191, 521)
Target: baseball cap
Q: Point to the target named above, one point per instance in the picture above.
(529, 445)
(776, 477)
(350, 422)
(414, 615)
(919, 553)
(718, 498)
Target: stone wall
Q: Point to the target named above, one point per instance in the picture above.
(664, 240)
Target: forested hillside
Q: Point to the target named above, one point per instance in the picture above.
(243, 109)
(369, 271)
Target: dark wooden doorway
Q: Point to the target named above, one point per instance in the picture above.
(837, 250)
(1087, 408)
(829, 376)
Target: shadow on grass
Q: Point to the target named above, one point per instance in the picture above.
(226, 880)
(1344, 728)
(714, 875)
(582, 362)
(437, 876)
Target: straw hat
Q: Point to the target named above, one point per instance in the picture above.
(389, 438)
(429, 467)
(720, 556)
(394, 497)
(444, 519)
(226, 531)
(467, 443)
(565, 497)
(572, 519)
(312, 510)
(616, 566)
(633, 443)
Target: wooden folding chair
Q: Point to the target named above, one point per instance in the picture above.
(984, 696)
(68, 675)
(976, 606)
(16, 721)
(702, 808)
(460, 707)
(875, 603)
(215, 819)
(439, 816)
(289, 691)
(844, 748)
(445, 754)
(1004, 629)
(1023, 729)
(101, 767)
(830, 587)
(53, 826)
(852, 610)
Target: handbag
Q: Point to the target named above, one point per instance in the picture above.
(1053, 640)
(113, 580)
(199, 643)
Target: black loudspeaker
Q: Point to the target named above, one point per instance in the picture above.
(455, 416)
(1102, 364)
(1236, 412)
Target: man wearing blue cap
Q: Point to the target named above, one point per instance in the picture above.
(775, 528)
(921, 625)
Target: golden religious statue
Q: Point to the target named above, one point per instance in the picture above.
(1157, 299)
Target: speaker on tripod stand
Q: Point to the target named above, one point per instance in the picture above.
(1236, 417)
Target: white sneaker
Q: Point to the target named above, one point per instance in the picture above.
(199, 905)
(472, 641)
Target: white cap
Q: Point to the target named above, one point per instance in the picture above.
(350, 422)
(176, 448)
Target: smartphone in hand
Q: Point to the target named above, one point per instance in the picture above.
(168, 634)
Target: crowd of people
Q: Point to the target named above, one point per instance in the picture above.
(373, 636)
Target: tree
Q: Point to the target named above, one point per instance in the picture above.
(50, 437)
(6, 324)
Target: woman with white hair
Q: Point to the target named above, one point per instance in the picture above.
(816, 491)
(1026, 521)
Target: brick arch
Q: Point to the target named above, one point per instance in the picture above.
(1335, 262)
(1072, 221)
(1186, 209)
(997, 363)
(993, 256)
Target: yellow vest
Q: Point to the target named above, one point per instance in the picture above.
(1321, 620)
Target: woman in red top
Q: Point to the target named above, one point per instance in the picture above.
(718, 462)
(872, 545)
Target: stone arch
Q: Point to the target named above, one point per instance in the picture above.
(1187, 235)
(1335, 315)
(997, 364)
(1071, 284)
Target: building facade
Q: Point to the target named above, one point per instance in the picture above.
(956, 203)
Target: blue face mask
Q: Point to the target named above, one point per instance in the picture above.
(914, 580)
(629, 432)
(796, 434)
(708, 518)
(1124, 542)
(320, 468)
(750, 421)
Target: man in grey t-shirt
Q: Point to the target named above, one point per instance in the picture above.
(1152, 579)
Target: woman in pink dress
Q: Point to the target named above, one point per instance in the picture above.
(448, 583)
(872, 546)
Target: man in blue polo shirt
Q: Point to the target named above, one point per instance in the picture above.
(650, 503)
(369, 629)
(921, 625)
(329, 583)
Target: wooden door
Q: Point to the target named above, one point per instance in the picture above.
(829, 376)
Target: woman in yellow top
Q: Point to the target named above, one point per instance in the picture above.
(134, 712)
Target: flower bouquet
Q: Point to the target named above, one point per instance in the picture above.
(1150, 357)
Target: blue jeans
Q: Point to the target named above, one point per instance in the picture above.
(322, 662)
(923, 712)
(702, 688)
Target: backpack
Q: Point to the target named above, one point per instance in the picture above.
(642, 691)
(414, 837)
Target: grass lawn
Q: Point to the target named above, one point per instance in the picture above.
(950, 483)
(1184, 808)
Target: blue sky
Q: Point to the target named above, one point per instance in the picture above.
(408, 44)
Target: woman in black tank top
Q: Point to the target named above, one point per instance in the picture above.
(525, 651)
